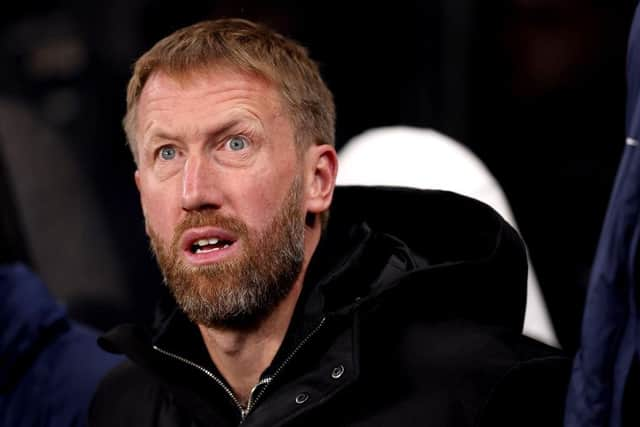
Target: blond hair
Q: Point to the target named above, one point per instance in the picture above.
(250, 48)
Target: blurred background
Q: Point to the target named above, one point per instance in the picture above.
(535, 88)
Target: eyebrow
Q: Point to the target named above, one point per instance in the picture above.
(162, 134)
(150, 143)
(234, 122)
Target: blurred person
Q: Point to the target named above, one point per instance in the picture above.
(605, 381)
(50, 365)
(400, 307)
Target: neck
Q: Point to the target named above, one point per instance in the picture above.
(241, 356)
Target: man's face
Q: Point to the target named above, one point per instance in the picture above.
(222, 191)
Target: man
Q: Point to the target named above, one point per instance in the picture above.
(385, 314)
(605, 381)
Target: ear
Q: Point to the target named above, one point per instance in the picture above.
(322, 167)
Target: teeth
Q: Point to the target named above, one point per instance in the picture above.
(202, 243)
(208, 245)
(205, 242)
(204, 251)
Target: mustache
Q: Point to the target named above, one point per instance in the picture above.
(212, 218)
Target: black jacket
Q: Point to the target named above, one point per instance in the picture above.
(410, 314)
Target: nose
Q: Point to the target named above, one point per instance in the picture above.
(199, 189)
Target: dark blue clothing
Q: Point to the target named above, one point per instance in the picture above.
(49, 366)
(610, 340)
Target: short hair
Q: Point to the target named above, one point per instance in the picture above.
(248, 47)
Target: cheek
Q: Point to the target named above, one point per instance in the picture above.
(265, 196)
(157, 208)
(257, 202)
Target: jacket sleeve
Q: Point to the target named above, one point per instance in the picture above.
(531, 394)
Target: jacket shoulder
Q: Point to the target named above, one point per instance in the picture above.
(477, 374)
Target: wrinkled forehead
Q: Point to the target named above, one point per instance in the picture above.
(219, 83)
(186, 74)
(211, 90)
(204, 80)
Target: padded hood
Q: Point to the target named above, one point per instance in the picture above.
(458, 256)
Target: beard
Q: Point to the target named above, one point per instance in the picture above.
(239, 292)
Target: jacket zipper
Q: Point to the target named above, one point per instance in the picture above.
(252, 402)
(243, 411)
(263, 382)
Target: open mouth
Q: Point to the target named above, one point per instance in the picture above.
(205, 245)
(212, 244)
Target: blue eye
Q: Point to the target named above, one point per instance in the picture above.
(168, 153)
(237, 143)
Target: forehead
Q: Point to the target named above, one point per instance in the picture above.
(216, 90)
(220, 82)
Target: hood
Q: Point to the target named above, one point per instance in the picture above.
(29, 317)
(455, 255)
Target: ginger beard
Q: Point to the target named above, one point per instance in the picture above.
(237, 293)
